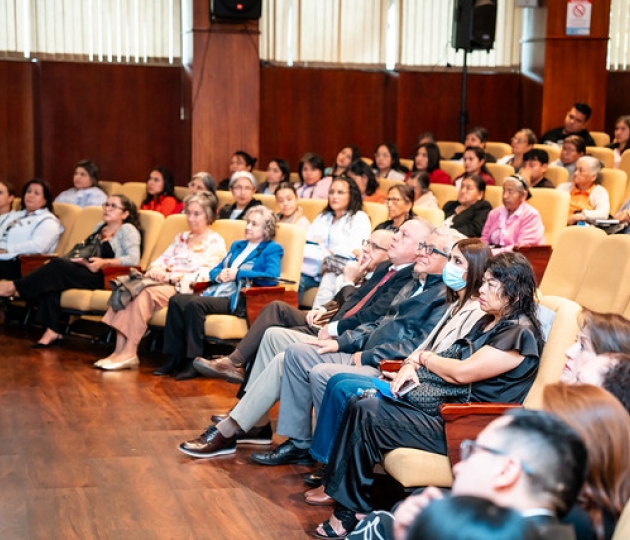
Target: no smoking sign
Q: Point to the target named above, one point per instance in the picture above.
(578, 17)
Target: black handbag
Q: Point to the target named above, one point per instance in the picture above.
(433, 391)
(90, 247)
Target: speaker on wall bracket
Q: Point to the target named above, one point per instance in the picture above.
(474, 24)
(236, 10)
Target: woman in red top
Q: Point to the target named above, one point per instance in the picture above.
(161, 192)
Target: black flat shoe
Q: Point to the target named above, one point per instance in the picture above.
(314, 478)
(168, 368)
(285, 454)
(189, 372)
(54, 343)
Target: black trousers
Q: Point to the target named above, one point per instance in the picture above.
(370, 428)
(10, 269)
(184, 332)
(275, 314)
(46, 284)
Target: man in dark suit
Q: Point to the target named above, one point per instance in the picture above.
(374, 261)
(529, 461)
(414, 312)
(248, 422)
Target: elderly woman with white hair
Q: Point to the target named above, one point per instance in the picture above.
(243, 187)
(516, 222)
(256, 258)
(589, 200)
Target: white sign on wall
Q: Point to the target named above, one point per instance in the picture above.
(578, 17)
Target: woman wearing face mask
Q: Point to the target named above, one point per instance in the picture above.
(462, 275)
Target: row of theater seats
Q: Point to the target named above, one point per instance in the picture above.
(158, 233)
(587, 268)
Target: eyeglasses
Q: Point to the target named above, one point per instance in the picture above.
(392, 199)
(468, 447)
(366, 243)
(519, 141)
(430, 250)
(112, 205)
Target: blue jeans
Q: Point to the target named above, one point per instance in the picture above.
(306, 282)
(339, 390)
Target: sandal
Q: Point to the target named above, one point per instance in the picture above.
(346, 517)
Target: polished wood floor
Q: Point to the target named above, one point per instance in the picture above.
(88, 454)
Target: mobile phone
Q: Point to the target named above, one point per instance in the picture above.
(407, 387)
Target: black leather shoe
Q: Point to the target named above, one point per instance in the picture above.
(256, 435)
(211, 443)
(189, 372)
(54, 343)
(168, 368)
(314, 478)
(285, 454)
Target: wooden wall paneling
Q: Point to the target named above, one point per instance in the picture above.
(431, 102)
(321, 110)
(531, 104)
(18, 160)
(617, 103)
(126, 118)
(225, 95)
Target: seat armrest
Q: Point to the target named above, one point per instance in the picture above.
(256, 298)
(538, 256)
(28, 263)
(465, 421)
(112, 272)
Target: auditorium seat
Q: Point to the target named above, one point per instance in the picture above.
(385, 183)
(553, 151)
(443, 193)
(377, 212)
(449, 148)
(135, 191)
(312, 207)
(452, 168)
(498, 149)
(553, 206)
(494, 195)
(601, 138)
(605, 155)
(434, 216)
(499, 172)
(616, 183)
(109, 187)
(557, 175)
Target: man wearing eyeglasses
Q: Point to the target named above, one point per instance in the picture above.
(248, 421)
(307, 367)
(529, 461)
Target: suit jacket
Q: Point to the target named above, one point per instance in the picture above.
(378, 304)
(407, 324)
(266, 262)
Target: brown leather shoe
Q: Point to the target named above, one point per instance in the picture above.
(220, 368)
(211, 443)
(317, 497)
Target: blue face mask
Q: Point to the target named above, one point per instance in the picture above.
(453, 276)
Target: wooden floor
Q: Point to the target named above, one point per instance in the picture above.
(89, 454)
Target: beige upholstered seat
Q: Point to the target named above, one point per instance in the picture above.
(443, 193)
(571, 254)
(376, 211)
(494, 195)
(268, 200)
(452, 168)
(616, 183)
(498, 149)
(259, 175)
(622, 530)
(601, 138)
(624, 165)
(414, 468)
(406, 163)
(553, 206)
(553, 151)
(135, 191)
(312, 207)
(67, 214)
(385, 183)
(605, 286)
(605, 155)
(434, 216)
(181, 192)
(368, 160)
(449, 148)
(557, 175)
(109, 186)
(224, 197)
(499, 172)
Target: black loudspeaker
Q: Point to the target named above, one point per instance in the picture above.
(474, 24)
(236, 10)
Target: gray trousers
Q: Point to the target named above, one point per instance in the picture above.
(263, 388)
(306, 373)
